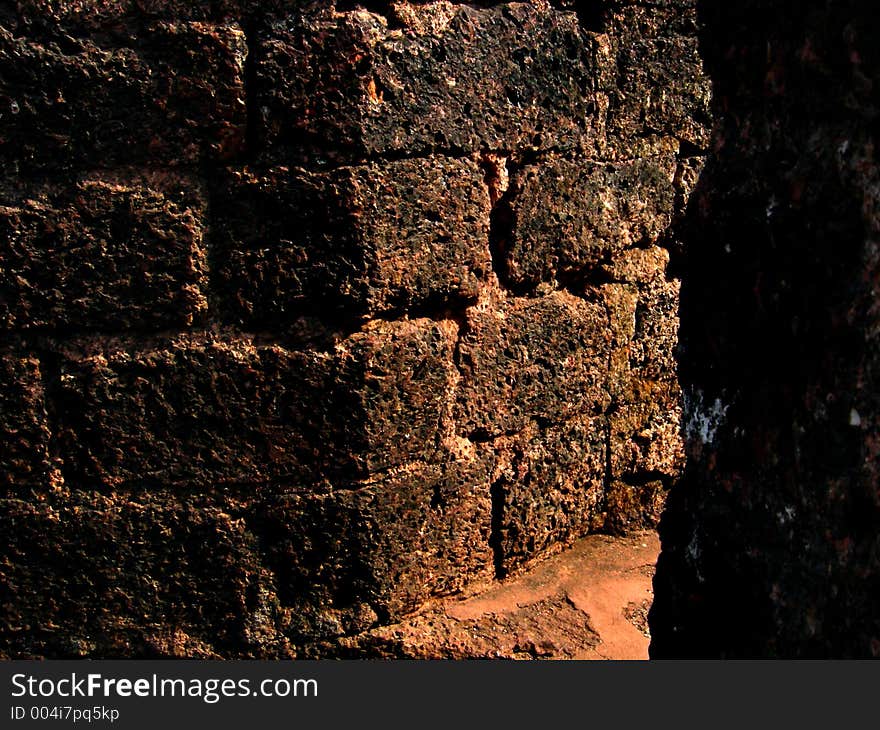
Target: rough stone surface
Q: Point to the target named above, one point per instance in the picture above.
(350, 559)
(115, 576)
(316, 313)
(568, 215)
(525, 359)
(111, 252)
(770, 541)
(371, 240)
(656, 85)
(548, 489)
(25, 463)
(211, 410)
(241, 572)
(348, 85)
(171, 94)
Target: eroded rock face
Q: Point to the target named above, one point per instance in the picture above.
(315, 312)
(339, 86)
(108, 252)
(366, 240)
(770, 541)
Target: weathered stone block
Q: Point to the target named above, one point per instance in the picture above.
(524, 359)
(172, 93)
(253, 571)
(645, 440)
(655, 342)
(104, 15)
(621, 300)
(549, 490)
(125, 576)
(25, 462)
(658, 85)
(454, 77)
(372, 239)
(116, 252)
(636, 505)
(351, 558)
(204, 410)
(568, 215)
(395, 389)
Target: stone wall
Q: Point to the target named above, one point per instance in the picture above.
(771, 540)
(312, 312)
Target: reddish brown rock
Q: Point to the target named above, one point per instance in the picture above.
(205, 410)
(645, 441)
(353, 558)
(586, 603)
(549, 489)
(243, 572)
(25, 463)
(657, 85)
(568, 215)
(173, 93)
(116, 576)
(525, 359)
(550, 628)
(362, 240)
(415, 334)
(112, 251)
(342, 86)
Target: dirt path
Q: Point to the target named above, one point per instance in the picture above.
(589, 602)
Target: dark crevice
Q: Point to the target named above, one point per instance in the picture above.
(251, 84)
(438, 501)
(498, 492)
(481, 436)
(50, 373)
(502, 218)
(688, 149)
(644, 478)
(592, 14)
(384, 8)
(583, 281)
(463, 326)
(59, 401)
(315, 157)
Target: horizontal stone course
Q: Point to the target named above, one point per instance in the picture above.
(172, 93)
(364, 240)
(256, 572)
(205, 410)
(343, 86)
(110, 252)
(25, 462)
(105, 15)
(115, 577)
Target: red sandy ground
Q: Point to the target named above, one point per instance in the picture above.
(589, 602)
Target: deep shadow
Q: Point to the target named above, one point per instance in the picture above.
(770, 540)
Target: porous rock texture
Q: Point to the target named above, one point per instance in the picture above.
(314, 312)
(771, 539)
